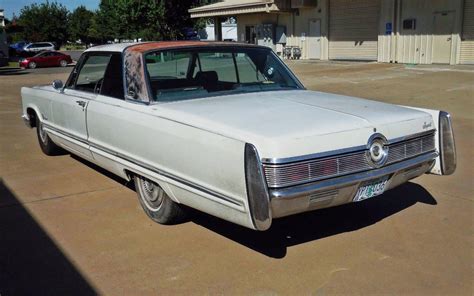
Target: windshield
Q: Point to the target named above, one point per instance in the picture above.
(194, 73)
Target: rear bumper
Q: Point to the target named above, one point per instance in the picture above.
(336, 191)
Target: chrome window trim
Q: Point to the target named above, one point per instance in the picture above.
(337, 152)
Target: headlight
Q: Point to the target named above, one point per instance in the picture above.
(446, 144)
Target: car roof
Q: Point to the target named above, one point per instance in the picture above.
(147, 46)
(41, 42)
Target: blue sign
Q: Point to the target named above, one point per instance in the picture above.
(388, 28)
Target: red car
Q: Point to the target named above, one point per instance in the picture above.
(46, 59)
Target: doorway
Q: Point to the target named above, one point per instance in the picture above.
(442, 37)
(250, 35)
(314, 39)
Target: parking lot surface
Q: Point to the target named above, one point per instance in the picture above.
(68, 227)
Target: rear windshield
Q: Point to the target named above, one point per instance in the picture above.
(194, 73)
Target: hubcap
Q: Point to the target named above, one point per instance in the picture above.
(152, 194)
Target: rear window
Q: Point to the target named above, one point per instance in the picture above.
(194, 73)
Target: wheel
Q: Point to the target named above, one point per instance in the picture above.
(47, 145)
(32, 65)
(63, 63)
(156, 203)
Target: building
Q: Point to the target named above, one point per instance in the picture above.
(3, 41)
(398, 31)
(229, 32)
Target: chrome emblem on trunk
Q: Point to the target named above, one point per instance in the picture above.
(377, 153)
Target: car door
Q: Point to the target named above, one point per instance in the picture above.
(51, 59)
(69, 107)
(41, 47)
(41, 60)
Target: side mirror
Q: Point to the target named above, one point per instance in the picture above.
(57, 84)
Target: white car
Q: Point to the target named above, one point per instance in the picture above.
(229, 130)
(38, 46)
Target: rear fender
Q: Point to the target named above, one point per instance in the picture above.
(444, 141)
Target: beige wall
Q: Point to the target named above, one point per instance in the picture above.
(466, 51)
(296, 25)
(400, 46)
(386, 46)
(417, 46)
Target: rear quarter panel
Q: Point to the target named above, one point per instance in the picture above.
(144, 134)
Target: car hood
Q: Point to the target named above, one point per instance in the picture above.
(285, 124)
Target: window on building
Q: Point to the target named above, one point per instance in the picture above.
(409, 24)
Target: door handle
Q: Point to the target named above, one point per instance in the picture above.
(81, 103)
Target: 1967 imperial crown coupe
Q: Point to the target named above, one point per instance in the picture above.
(229, 130)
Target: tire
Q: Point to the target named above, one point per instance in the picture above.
(47, 145)
(32, 65)
(63, 63)
(157, 204)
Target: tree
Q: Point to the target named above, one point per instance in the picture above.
(79, 24)
(44, 22)
(147, 19)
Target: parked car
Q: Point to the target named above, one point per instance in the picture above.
(228, 129)
(38, 46)
(17, 48)
(46, 59)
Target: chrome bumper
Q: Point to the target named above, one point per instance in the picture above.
(336, 191)
(26, 120)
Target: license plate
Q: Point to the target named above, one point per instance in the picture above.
(371, 189)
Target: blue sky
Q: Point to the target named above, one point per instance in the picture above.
(14, 6)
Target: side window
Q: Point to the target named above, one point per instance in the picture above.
(113, 78)
(91, 74)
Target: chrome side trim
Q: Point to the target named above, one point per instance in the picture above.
(339, 151)
(307, 189)
(185, 182)
(168, 175)
(79, 139)
(257, 191)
